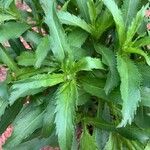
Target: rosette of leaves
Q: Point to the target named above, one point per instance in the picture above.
(85, 82)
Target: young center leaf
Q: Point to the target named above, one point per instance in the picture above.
(130, 88)
(58, 38)
(66, 99)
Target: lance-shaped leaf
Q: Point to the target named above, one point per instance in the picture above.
(33, 85)
(11, 30)
(142, 42)
(129, 9)
(3, 98)
(70, 19)
(77, 37)
(82, 4)
(95, 87)
(130, 132)
(103, 23)
(26, 58)
(6, 17)
(27, 121)
(87, 142)
(65, 111)
(140, 52)
(130, 88)
(32, 37)
(42, 51)
(3, 105)
(145, 96)
(92, 11)
(49, 116)
(5, 3)
(58, 37)
(37, 143)
(117, 15)
(113, 143)
(135, 25)
(6, 59)
(89, 63)
(108, 57)
(17, 46)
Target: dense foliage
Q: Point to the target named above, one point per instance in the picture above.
(83, 79)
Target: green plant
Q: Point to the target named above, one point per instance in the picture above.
(83, 83)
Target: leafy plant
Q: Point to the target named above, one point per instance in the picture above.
(75, 74)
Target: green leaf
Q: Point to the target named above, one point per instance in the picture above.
(132, 29)
(82, 4)
(11, 30)
(130, 88)
(6, 17)
(92, 11)
(142, 117)
(129, 9)
(77, 37)
(4, 90)
(33, 85)
(144, 71)
(25, 73)
(13, 110)
(83, 97)
(70, 19)
(3, 105)
(95, 87)
(131, 132)
(65, 111)
(140, 52)
(6, 59)
(87, 141)
(89, 63)
(147, 146)
(27, 121)
(17, 46)
(65, 6)
(49, 116)
(42, 51)
(108, 57)
(117, 15)
(142, 42)
(112, 143)
(57, 33)
(103, 23)
(26, 59)
(36, 143)
(145, 96)
(32, 37)
(5, 3)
